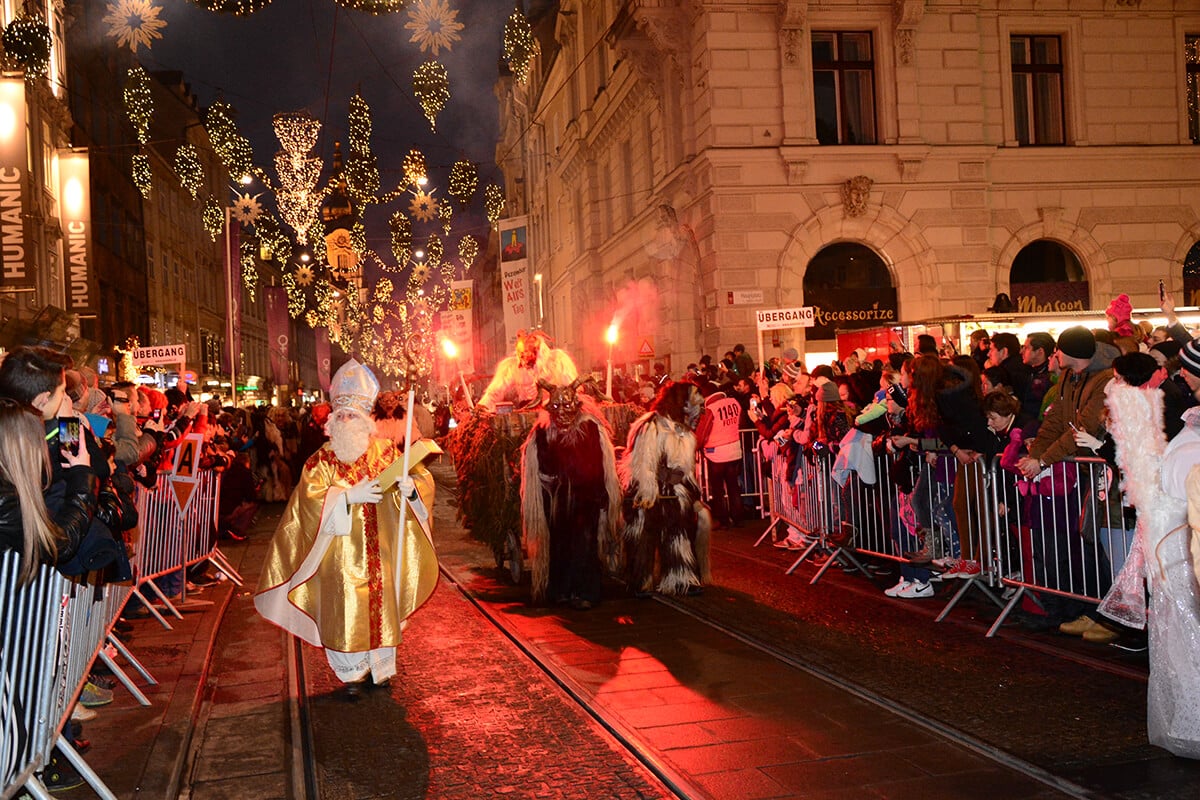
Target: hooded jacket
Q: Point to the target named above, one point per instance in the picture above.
(1080, 402)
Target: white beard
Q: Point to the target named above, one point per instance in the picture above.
(350, 438)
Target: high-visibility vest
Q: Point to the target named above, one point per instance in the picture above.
(723, 443)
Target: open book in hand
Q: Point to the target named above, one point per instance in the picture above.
(421, 449)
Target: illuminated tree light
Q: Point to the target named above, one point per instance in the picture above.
(213, 217)
(468, 250)
(361, 170)
(139, 104)
(464, 180)
(142, 174)
(383, 290)
(188, 169)
(249, 275)
(295, 294)
(493, 202)
(27, 45)
(414, 167)
(434, 250)
(240, 8)
(431, 86)
(402, 239)
(312, 319)
(520, 45)
(445, 213)
(375, 7)
(230, 145)
(297, 197)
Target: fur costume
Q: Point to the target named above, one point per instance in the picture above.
(664, 515)
(517, 377)
(570, 498)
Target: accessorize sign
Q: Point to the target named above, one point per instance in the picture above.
(16, 262)
(844, 309)
(76, 215)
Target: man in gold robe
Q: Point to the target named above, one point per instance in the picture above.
(348, 563)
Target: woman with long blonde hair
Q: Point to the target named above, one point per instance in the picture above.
(25, 524)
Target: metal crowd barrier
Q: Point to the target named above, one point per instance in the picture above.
(53, 629)
(751, 477)
(1062, 534)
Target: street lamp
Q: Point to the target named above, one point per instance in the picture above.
(537, 279)
(451, 351)
(610, 336)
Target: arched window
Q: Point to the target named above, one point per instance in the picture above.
(849, 286)
(1191, 276)
(1047, 276)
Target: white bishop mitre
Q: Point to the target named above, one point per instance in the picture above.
(354, 387)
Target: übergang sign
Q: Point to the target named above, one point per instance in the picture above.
(774, 319)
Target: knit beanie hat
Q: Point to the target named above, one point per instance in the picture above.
(791, 354)
(1120, 308)
(1078, 342)
(791, 371)
(830, 393)
(1189, 357)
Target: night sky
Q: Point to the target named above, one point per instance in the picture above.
(313, 54)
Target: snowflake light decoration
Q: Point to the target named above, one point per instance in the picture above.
(431, 85)
(247, 209)
(134, 23)
(434, 25)
(420, 274)
(304, 275)
(423, 207)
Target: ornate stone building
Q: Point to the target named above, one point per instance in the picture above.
(686, 162)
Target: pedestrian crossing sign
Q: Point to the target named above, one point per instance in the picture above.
(646, 350)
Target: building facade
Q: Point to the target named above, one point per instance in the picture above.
(685, 163)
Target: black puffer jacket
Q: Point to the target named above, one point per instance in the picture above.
(72, 504)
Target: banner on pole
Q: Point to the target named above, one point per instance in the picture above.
(76, 215)
(233, 285)
(323, 357)
(16, 264)
(277, 332)
(514, 275)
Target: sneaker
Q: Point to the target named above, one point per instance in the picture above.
(895, 590)
(103, 681)
(915, 590)
(962, 568)
(1078, 627)
(93, 696)
(59, 775)
(81, 714)
(943, 562)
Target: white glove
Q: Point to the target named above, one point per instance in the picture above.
(1085, 439)
(365, 491)
(406, 487)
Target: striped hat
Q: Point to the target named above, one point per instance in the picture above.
(1189, 358)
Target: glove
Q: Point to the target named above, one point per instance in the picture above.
(365, 491)
(406, 487)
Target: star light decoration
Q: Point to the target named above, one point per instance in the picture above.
(423, 207)
(520, 45)
(246, 209)
(134, 23)
(434, 25)
(297, 196)
(431, 85)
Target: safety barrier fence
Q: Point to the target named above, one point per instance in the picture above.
(751, 475)
(54, 628)
(1061, 534)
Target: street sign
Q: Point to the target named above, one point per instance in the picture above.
(646, 350)
(745, 298)
(161, 355)
(775, 319)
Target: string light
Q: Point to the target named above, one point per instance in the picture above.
(493, 202)
(445, 212)
(239, 8)
(402, 239)
(520, 45)
(295, 295)
(434, 250)
(189, 169)
(139, 103)
(383, 290)
(415, 171)
(142, 174)
(361, 170)
(464, 180)
(213, 218)
(376, 7)
(468, 250)
(431, 85)
(297, 198)
(230, 145)
(27, 43)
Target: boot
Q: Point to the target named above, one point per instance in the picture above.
(924, 554)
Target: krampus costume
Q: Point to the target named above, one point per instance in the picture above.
(570, 498)
(517, 377)
(664, 515)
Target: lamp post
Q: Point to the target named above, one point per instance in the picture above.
(233, 278)
(537, 279)
(610, 336)
(451, 351)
